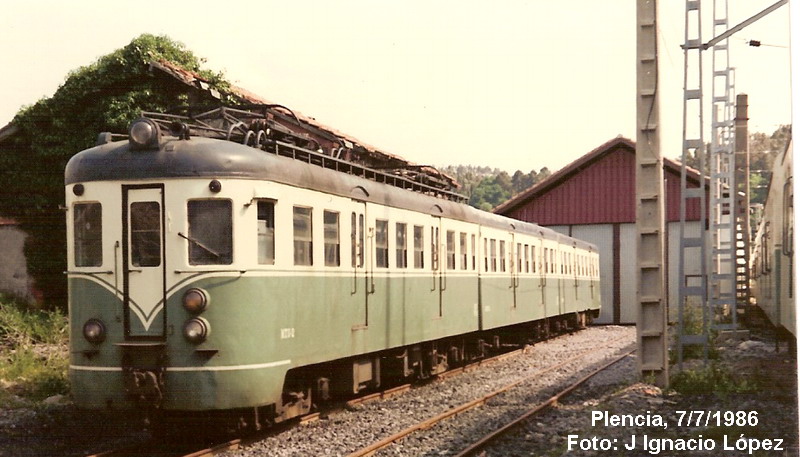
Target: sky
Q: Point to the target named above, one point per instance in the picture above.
(510, 84)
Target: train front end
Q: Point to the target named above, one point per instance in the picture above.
(159, 315)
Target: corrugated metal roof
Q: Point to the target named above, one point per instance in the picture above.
(599, 187)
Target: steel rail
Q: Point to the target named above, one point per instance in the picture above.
(428, 423)
(480, 444)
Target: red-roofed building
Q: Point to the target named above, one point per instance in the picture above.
(594, 199)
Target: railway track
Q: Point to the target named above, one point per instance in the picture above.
(159, 450)
(538, 409)
(327, 421)
(154, 449)
(428, 423)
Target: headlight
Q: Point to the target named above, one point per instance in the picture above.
(196, 330)
(94, 331)
(144, 133)
(195, 301)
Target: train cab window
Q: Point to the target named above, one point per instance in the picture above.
(88, 234)
(401, 246)
(463, 247)
(303, 241)
(451, 250)
(145, 229)
(210, 232)
(330, 221)
(419, 247)
(266, 232)
(382, 244)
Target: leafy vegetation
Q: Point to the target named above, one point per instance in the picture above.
(714, 379)
(487, 187)
(763, 151)
(33, 354)
(104, 96)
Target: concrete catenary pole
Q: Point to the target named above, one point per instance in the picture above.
(651, 326)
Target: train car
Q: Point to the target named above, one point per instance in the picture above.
(772, 258)
(258, 275)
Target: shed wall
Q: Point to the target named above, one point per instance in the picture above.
(14, 278)
(602, 235)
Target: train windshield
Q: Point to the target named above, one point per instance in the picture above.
(210, 232)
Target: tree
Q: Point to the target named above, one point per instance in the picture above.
(104, 96)
(763, 151)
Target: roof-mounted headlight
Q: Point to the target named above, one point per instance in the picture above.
(144, 134)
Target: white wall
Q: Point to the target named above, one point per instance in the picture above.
(14, 278)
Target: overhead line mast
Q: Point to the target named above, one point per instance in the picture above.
(651, 326)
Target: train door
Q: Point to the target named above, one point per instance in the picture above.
(574, 265)
(539, 266)
(562, 278)
(438, 273)
(513, 267)
(362, 286)
(143, 261)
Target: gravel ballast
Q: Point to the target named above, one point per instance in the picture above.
(61, 429)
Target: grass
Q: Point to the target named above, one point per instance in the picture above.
(713, 379)
(33, 356)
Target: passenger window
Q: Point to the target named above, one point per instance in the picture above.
(463, 247)
(546, 260)
(419, 247)
(400, 246)
(434, 248)
(330, 221)
(493, 249)
(485, 255)
(303, 241)
(266, 232)
(88, 234)
(451, 250)
(210, 232)
(145, 229)
(473, 252)
(357, 240)
(527, 259)
(502, 255)
(519, 257)
(382, 244)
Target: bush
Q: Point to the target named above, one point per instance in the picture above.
(20, 326)
(713, 379)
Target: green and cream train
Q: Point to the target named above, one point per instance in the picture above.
(259, 278)
(772, 270)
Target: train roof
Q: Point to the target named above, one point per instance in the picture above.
(200, 157)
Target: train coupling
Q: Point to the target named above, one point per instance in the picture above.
(146, 387)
